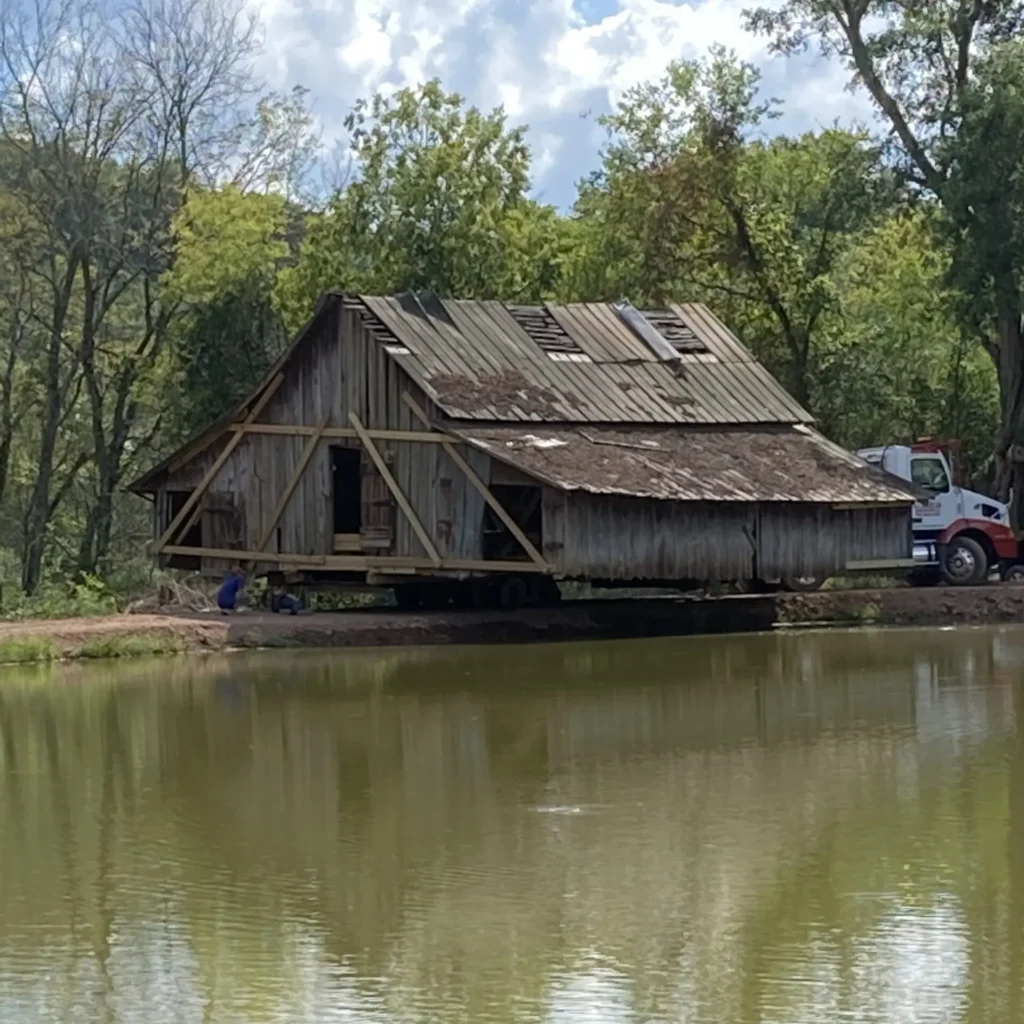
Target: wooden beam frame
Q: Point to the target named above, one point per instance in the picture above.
(339, 433)
(357, 563)
(403, 501)
(380, 564)
(196, 496)
(453, 453)
(286, 494)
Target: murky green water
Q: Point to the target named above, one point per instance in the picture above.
(817, 828)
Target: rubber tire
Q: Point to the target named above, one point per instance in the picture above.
(408, 597)
(544, 592)
(513, 593)
(484, 595)
(802, 584)
(976, 551)
(1014, 574)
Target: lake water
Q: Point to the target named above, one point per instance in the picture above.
(820, 828)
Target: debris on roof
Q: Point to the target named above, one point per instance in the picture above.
(787, 464)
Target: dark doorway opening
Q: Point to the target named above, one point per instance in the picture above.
(346, 489)
(193, 537)
(523, 504)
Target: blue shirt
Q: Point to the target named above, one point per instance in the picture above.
(228, 593)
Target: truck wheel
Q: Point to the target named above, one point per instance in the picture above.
(802, 584)
(1014, 574)
(513, 593)
(964, 563)
(544, 592)
(409, 597)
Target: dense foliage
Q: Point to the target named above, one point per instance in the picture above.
(159, 241)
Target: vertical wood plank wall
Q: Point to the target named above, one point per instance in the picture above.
(340, 368)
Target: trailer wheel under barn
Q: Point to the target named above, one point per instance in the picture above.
(413, 440)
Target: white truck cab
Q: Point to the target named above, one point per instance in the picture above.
(960, 534)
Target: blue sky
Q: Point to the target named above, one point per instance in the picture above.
(549, 62)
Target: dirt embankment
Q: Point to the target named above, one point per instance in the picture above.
(905, 606)
(190, 633)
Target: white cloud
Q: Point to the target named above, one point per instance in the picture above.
(546, 61)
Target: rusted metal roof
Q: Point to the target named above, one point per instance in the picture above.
(577, 363)
(781, 464)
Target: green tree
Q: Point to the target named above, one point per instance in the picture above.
(230, 248)
(686, 206)
(946, 75)
(902, 367)
(437, 201)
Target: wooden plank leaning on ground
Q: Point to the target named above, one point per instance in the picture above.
(196, 496)
(453, 453)
(403, 501)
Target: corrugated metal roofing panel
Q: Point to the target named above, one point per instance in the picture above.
(480, 362)
(793, 464)
(477, 362)
(718, 338)
(605, 319)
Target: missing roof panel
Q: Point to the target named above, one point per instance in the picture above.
(548, 334)
(682, 338)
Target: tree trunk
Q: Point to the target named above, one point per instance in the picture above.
(95, 546)
(40, 507)
(799, 387)
(1011, 387)
(38, 517)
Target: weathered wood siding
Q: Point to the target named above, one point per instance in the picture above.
(628, 539)
(816, 540)
(341, 368)
(634, 539)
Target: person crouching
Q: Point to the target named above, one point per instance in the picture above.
(227, 596)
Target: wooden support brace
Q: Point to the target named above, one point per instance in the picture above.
(453, 453)
(196, 496)
(236, 555)
(402, 500)
(354, 563)
(286, 495)
(301, 430)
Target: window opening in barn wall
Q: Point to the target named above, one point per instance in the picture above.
(523, 504)
(174, 503)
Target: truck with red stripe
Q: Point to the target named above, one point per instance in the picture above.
(960, 536)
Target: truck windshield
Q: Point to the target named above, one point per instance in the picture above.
(930, 473)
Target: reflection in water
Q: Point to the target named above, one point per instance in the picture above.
(815, 828)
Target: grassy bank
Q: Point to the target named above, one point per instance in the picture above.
(33, 649)
(148, 635)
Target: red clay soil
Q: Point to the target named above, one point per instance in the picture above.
(572, 621)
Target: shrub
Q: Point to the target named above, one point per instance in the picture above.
(23, 650)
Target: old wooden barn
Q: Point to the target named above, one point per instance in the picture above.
(412, 438)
